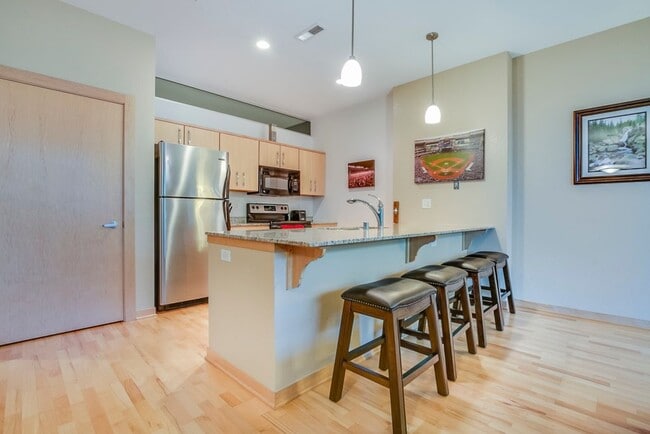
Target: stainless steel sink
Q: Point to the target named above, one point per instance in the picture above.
(341, 228)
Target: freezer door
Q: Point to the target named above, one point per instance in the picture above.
(192, 171)
(183, 252)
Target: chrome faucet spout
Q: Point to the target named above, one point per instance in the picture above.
(378, 212)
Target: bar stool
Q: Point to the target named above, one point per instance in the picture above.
(478, 268)
(390, 300)
(501, 263)
(451, 288)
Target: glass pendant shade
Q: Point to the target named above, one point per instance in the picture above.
(351, 73)
(432, 115)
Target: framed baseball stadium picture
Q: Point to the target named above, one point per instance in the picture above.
(361, 174)
(459, 157)
(611, 143)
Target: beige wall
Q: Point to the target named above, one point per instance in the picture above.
(55, 39)
(579, 246)
(470, 97)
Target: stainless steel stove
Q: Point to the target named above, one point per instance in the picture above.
(275, 214)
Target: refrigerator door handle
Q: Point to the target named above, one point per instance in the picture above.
(227, 207)
(226, 184)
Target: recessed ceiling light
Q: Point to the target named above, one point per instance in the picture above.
(263, 45)
(312, 31)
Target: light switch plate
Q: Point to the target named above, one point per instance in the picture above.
(426, 203)
(225, 255)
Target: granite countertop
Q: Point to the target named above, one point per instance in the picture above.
(323, 237)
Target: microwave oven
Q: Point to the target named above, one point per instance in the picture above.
(278, 182)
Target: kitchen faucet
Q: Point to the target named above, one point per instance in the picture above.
(378, 212)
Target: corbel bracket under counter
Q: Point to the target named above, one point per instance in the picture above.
(298, 257)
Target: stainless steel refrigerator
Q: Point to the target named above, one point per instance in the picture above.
(191, 199)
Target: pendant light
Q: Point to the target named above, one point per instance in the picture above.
(351, 72)
(432, 115)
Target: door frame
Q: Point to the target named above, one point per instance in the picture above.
(128, 164)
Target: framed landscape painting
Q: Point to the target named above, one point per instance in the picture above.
(611, 143)
(459, 157)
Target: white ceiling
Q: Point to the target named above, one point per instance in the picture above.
(210, 44)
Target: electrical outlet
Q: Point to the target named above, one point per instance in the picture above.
(456, 184)
(225, 255)
(426, 203)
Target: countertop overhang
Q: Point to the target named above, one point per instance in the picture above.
(334, 236)
(303, 246)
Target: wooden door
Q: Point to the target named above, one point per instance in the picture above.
(243, 158)
(169, 132)
(306, 179)
(201, 137)
(61, 179)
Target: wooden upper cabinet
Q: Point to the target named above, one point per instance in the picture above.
(312, 173)
(243, 158)
(169, 132)
(186, 135)
(274, 154)
(201, 137)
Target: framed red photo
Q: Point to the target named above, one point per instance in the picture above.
(361, 174)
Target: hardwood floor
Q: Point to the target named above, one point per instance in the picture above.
(547, 372)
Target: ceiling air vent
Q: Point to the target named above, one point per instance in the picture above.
(312, 31)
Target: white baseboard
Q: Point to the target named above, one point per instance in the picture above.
(144, 313)
(584, 314)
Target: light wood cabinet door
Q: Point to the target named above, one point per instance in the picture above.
(201, 137)
(274, 154)
(290, 158)
(270, 154)
(318, 173)
(312, 173)
(169, 132)
(243, 158)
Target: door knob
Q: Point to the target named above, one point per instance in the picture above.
(110, 225)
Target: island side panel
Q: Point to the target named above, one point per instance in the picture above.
(241, 311)
(308, 317)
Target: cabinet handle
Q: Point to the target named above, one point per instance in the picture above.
(283, 159)
(237, 178)
(189, 138)
(180, 138)
(244, 179)
(277, 158)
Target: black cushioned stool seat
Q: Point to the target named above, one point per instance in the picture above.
(501, 263)
(391, 300)
(451, 289)
(479, 268)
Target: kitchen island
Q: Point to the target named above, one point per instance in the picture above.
(275, 303)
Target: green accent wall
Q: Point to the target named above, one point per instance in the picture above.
(200, 98)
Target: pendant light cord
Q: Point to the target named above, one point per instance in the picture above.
(352, 50)
(432, 100)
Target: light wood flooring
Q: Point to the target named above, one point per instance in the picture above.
(547, 372)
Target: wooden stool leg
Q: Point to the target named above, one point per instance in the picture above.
(478, 309)
(342, 348)
(511, 298)
(383, 362)
(435, 341)
(495, 293)
(396, 385)
(447, 338)
(467, 316)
